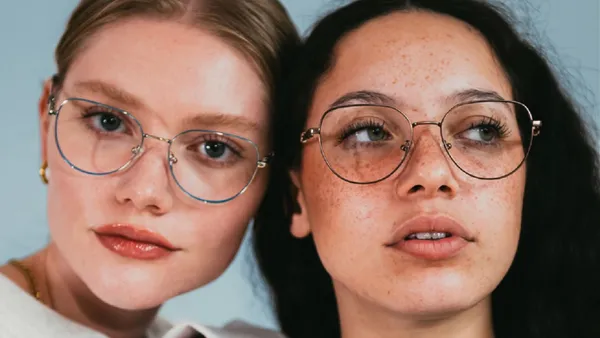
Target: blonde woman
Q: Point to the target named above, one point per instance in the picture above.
(156, 132)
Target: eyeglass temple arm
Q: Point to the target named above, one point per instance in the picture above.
(52, 105)
(52, 96)
(309, 134)
(537, 126)
(266, 160)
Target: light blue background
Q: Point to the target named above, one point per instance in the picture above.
(29, 31)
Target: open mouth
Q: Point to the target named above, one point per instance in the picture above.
(428, 236)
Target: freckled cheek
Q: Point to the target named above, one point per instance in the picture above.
(342, 216)
(499, 212)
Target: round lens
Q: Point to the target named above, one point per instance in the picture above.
(95, 138)
(211, 166)
(364, 143)
(488, 140)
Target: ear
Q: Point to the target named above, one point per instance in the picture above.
(300, 227)
(44, 118)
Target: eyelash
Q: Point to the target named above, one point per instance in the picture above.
(215, 138)
(93, 111)
(356, 126)
(491, 122)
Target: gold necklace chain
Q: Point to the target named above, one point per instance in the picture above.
(33, 287)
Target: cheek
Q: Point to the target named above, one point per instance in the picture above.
(217, 230)
(346, 219)
(495, 212)
(75, 199)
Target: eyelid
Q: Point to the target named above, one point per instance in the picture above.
(232, 145)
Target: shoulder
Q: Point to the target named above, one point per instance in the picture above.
(235, 329)
(23, 316)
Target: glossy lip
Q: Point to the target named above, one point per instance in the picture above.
(431, 249)
(135, 234)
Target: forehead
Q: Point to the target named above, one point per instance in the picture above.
(176, 70)
(415, 57)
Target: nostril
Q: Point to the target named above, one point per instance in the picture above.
(445, 188)
(416, 188)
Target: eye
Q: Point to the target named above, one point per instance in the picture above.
(214, 149)
(365, 131)
(483, 133)
(108, 122)
(104, 122)
(370, 134)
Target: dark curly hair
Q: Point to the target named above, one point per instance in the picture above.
(551, 289)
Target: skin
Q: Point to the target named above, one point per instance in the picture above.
(174, 72)
(418, 59)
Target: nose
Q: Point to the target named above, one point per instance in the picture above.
(428, 171)
(146, 184)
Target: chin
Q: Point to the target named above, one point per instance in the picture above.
(436, 301)
(430, 308)
(133, 289)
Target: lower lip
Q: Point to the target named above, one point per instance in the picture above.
(133, 249)
(432, 249)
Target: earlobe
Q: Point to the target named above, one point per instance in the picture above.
(300, 226)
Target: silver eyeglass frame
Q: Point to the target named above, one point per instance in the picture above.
(137, 151)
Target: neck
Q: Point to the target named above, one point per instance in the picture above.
(75, 301)
(360, 318)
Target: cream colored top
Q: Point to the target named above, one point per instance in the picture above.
(21, 316)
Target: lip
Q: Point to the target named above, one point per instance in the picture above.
(134, 242)
(431, 249)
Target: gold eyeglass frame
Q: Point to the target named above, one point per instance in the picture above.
(310, 133)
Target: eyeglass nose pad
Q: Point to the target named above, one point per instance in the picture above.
(406, 146)
(137, 150)
(448, 145)
(172, 159)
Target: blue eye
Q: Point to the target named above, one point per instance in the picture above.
(483, 133)
(214, 149)
(107, 122)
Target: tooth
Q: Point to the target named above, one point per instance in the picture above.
(424, 235)
(438, 235)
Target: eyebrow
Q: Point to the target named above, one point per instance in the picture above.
(463, 96)
(219, 120)
(364, 97)
(208, 120)
(110, 91)
(373, 97)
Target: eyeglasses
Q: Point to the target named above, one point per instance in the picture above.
(209, 166)
(367, 143)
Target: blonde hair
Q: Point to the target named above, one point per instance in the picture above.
(260, 29)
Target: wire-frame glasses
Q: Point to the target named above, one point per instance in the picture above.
(209, 166)
(367, 143)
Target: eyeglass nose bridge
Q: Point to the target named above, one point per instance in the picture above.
(408, 144)
(163, 139)
(426, 123)
(138, 150)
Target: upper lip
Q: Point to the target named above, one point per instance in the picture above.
(134, 233)
(429, 224)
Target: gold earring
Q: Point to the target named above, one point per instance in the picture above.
(42, 172)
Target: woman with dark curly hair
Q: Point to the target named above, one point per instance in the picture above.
(441, 182)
